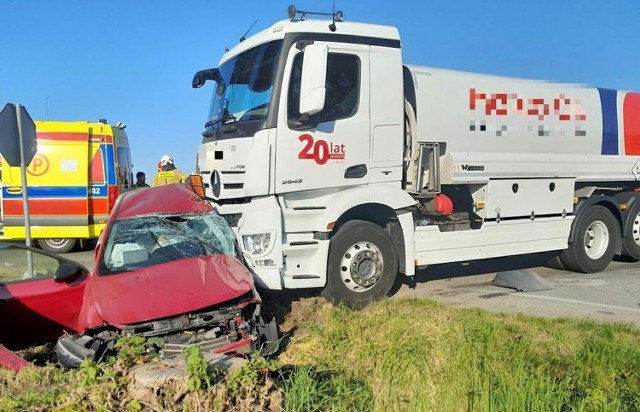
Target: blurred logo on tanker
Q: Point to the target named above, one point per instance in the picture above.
(530, 111)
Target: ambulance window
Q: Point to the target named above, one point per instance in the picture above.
(343, 88)
(125, 174)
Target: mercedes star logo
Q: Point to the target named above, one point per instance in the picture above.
(216, 184)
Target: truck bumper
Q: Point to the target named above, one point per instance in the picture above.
(269, 278)
(263, 215)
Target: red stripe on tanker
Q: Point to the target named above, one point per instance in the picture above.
(631, 113)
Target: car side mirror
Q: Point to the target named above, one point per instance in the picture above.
(314, 75)
(67, 272)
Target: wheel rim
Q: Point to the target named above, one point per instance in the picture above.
(361, 266)
(57, 243)
(596, 240)
(635, 229)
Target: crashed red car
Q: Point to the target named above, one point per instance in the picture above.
(166, 266)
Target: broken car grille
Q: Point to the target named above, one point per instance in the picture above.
(209, 345)
(181, 323)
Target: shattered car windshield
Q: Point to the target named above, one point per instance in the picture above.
(146, 241)
(244, 93)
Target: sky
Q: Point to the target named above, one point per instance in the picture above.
(133, 60)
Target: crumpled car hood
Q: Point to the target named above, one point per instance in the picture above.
(165, 290)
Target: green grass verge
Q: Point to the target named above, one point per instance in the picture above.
(414, 354)
(401, 354)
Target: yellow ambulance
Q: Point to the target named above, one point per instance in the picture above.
(73, 181)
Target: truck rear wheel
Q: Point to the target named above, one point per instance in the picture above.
(631, 242)
(363, 264)
(57, 245)
(595, 236)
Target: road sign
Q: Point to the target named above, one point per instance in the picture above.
(11, 117)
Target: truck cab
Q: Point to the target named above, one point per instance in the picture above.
(296, 133)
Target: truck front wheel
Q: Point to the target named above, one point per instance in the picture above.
(595, 235)
(363, 264)
(59, 245)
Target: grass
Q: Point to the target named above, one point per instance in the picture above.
(401, 354)
(414, 354)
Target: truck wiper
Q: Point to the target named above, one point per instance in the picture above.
(224, 120)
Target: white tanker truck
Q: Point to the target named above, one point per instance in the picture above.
(340, 167)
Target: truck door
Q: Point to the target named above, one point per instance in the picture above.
(330, 148)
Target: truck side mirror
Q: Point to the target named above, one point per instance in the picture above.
(314, 75)
(201, 77)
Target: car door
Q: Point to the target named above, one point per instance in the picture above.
(37, 309)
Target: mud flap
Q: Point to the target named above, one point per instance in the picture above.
(522, 280)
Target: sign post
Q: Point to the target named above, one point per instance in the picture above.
(18, 146)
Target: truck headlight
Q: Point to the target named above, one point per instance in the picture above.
(257, 244)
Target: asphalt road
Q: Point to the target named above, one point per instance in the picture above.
(612, 295)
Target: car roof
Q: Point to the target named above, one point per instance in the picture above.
(169, 199)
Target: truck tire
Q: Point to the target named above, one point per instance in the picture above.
(363, 265)
(57, 245)
(595, 237)
(631, 242)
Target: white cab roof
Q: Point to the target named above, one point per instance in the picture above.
(281, 28)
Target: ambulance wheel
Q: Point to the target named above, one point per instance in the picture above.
(593, 247)
(631, 242)
(363, 265)
(60, 245)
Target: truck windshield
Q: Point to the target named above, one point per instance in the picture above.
(244, 93)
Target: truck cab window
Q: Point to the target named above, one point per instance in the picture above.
(343, 88)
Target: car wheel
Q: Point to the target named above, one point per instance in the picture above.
(363, 264)
(57, 245)
(631, 242)
(593, 247)
(72, 350)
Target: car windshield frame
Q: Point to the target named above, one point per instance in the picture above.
(141, 242)
(246, 88)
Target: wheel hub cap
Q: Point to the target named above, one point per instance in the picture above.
(361, 266)
(635, 230)
(596, 240)
(57, 242)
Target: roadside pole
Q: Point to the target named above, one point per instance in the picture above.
(25, 194)
(18, 145)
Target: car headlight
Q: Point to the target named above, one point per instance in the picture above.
(257, 244)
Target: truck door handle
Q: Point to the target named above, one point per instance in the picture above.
(355, 172)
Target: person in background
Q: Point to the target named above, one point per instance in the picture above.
(141, 181)
(168, 173)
